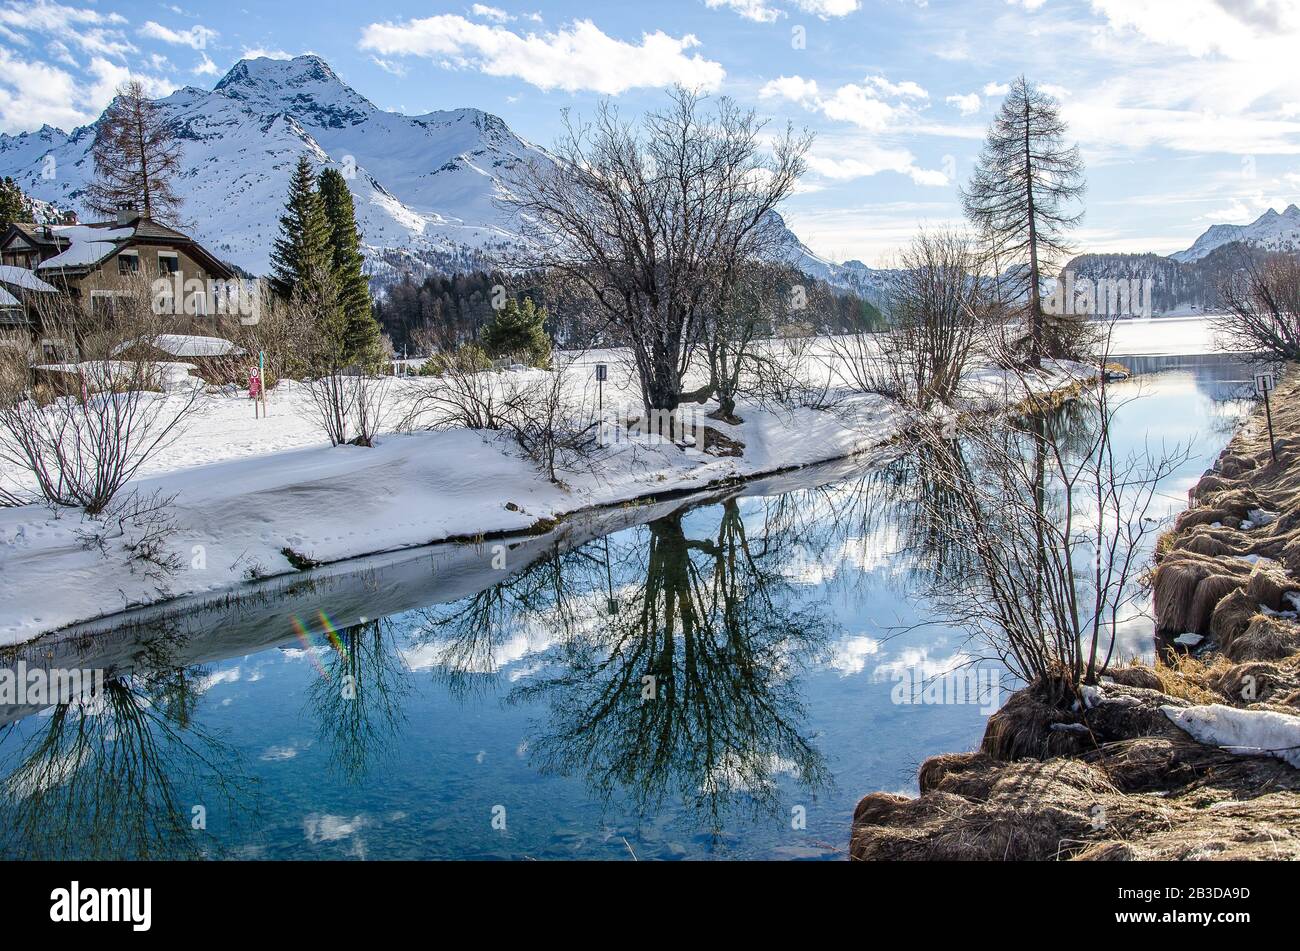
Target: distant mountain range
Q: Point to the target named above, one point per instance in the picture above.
(427, 188)
(1188, 282)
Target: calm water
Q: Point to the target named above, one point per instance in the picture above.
(703, 678)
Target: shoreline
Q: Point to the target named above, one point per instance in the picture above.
(1197, 757)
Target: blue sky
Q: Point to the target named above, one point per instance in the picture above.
(1187, 111)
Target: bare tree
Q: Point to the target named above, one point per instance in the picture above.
(656, 220)
(1020, 198)
(82, 429)
(1262, 301)
(136, 156)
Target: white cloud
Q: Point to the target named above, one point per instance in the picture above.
(869, 159)
(967, 104)
(757, 10)
(490, 13)
(1239, 29)
(866, 105)
(206, 67)
(258, 52)
(34, 93)
(88, 29)
(828, 8)
(996, 88)
(196, 37)
(793, 88)
(574, 58)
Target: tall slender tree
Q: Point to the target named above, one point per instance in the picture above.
(1022, 198)
(362, 338)
(302, 252)
(136, 156)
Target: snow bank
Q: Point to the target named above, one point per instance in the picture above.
(1245, 732)
(246, 490)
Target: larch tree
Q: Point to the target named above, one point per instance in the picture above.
(1021, 198)
(362, 336)
(136, 157)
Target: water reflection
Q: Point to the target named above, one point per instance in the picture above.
(681, 678)
(125, 773)
(683, 661)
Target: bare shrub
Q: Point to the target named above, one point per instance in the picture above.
(1049, 525)
(83, 428)
(551, 432)
(464, 394)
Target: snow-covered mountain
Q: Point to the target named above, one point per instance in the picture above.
(423, 183)
(427, 188)
(1270, 231)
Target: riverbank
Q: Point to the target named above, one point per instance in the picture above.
(1198, 757)
(260, 499)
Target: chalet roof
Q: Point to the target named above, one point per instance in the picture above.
(23, 279)
(83, 247)
(186, 345)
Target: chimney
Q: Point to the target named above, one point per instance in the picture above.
(126, 214)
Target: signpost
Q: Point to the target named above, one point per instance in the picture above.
(602, 374)
(1265, 383)
(257, 386)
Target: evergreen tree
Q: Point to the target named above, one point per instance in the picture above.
(14, 205)
(302, 251)
(519, 329)
(1021, 199)
(136, 155)
(362, 341)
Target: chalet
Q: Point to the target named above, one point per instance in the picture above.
(94, 263)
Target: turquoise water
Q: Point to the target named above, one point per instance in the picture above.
(711, 677)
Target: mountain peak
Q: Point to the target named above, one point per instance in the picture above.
(304, 87)
(308, 69)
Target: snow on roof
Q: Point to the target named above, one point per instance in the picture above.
(183, 345)
(7, 299)
(86, 245)
(22, 277)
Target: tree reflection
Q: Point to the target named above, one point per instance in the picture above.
(684, 682)
(120, 776)
(358, 703)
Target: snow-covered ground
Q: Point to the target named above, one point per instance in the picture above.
(246, 489)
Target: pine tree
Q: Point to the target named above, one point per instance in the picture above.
(14, 205)
(362, 337)
(302, 251)
(1020, 196)
(136, 155)
(519, 329)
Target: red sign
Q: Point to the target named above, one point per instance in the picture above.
(254, 384)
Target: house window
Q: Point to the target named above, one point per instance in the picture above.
(128, 262)
(169, 263)
(102, 303)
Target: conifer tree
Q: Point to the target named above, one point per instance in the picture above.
(302, 252)
(14, 205)
(361, 342)
(1021, 198)
(136, 156)
(519, 329)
